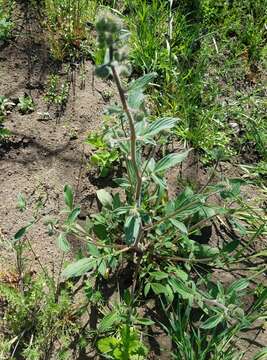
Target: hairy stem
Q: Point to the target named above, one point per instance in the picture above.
(132, 134)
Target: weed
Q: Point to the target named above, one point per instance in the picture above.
(6, 23)
(157, 235)
(26, 104)
(5, 108)
(66, 25)
(57, 93)
(103, 157)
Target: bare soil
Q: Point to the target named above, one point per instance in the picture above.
(43, 155)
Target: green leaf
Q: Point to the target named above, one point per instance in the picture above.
(63, 243)
(73, 215)
(93, 250)
(68, 196)
(170, 160)
(147, 288)
(122, 182)
(212, 322)
(102, 268)
(135, 96)
(79, 267)
(179, 225)
(158, 275)
(169, 294)
(21, 202)
(231, 246)
(105, 198)
(21, 232)
(158, 288)
(142, 82)
(108, 321)
(238, 285)
(179, 287)
(261, 355)
(132, 227)
(4, 133)
(143, 321)
(159, 125)
(100, 231)
(262, 253)
(107, 344)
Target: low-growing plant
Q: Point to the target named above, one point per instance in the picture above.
(126, 345)
(5, 107)
(57, 92)
(36, 318)
(6, 23)
(103, 156)
(26, 104)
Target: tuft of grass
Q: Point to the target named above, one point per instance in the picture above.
(67, 26)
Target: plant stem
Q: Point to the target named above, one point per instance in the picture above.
(132, 134)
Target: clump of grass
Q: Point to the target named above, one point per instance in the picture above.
(203, 53)
(67, 27)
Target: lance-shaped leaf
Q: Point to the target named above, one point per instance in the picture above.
(142, 82)
(169, 161)
(132, 227)
(63, 243)
(68, 196)
(213, 321)
(159, 125)
(79, 267)
(73, 215)
(105, 198)
(136, 88)
(179, 225)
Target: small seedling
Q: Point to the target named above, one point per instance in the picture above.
(5, 107)
(57, 93)
(26, 104)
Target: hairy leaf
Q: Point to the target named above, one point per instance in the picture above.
(169, 161)
(79, 267)
(63, 243)
(159, 125)
(105, 198)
